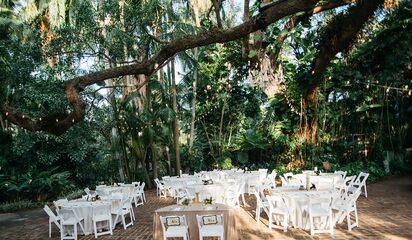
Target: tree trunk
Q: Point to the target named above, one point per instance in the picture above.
(111, 96)
(222, 114)
(143, 166)
(194, 85)
(151, 144)
(245, 47)
(176, 118)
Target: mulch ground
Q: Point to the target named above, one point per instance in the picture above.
(385, 214)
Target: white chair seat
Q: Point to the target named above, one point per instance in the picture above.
(71, 221)
(175, 231)
(279, 210)
(100, 218)
(212, 230)
(317, 211)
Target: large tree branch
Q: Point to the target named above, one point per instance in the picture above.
(337, 37)
(295, 20)
(58, 124)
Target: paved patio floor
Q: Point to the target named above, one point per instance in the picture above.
(385, 214)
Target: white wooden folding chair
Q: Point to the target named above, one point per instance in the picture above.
(69, 218)
(52, 218)
(261, 204)
(345, 207)
(320, 209)
(174, 227)
(210, 226)
(278, 212)
(360, 182)
(122, 209)
(59, 203)
(102, 214)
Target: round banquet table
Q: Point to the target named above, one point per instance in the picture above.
(249, 178)
(322, 182)
(216, 190)
(84, 209)
(298, 203)
(110, 190)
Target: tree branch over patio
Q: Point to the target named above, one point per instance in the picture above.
(60, 123)
(337, 37)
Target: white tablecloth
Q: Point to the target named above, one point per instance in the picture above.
(112, 190)
(298, 202)
(217, 191)
(84, 209)
(322, 182)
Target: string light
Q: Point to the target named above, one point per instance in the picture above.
(23, 116)
(388, 89)
(7, 113)
(57, 120)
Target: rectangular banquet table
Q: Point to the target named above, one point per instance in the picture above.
(229, 218)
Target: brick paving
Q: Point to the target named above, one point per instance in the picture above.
(385, 214)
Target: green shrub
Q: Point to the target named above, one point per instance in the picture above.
(74, 194)
(225, 163)
(19, 205)
(34, 185)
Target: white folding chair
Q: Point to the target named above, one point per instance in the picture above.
(210, 226)
(52, 218)
(102, 214)
(142, 191)
(68, 217)
(320, 209)
(270, 181)
(346, 183)
(261, 204)
(59, 203)
(288, 180)
(342, 173)
(157, 182)
(253, 182)
(174, 227)
(344, 207)
(162, 189)
(233, 195)
(181, 193)
(87, 191)
(122, 209)
(137, 196)
(360, 182)
(278, 212)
